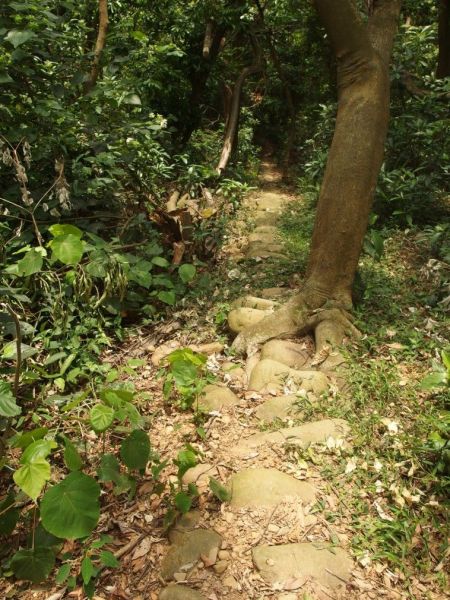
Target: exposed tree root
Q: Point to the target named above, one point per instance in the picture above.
(330, 322)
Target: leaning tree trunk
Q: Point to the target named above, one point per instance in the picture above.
(103, 22)
(231, 128)
(363, 54)
(443, 67)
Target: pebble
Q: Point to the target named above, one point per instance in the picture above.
(221, 566)
(180, 576)
(224, 555)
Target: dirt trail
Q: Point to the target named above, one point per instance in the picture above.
(274, 538)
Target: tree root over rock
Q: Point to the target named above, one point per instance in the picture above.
(304, 313)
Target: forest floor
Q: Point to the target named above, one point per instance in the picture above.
(332, 493)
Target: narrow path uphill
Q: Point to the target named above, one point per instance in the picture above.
(271, 539)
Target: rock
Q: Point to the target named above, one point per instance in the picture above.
(231, 582)
(303, 435)
(199, 475)
(332, 362)
(266, 251)
(286, 352)
(254, 302)
(185, 524)
(295, 561)
(240, 318)
(235, 373)
(217, 397)
(180, 592)
(275, 292)
(264, 218)
(267, 487)
(270, 201)
(271, 375)
(186, 551)
(279, 407)
(221, 566)
(211, 348)
(264, 237)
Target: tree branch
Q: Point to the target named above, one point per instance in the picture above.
(103, 22)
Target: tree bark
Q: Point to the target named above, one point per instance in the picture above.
(354, 161)
(233, 119)
(103, 22)
(443, 67)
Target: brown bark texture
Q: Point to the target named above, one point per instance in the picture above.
(103, 22)
(363, 54)
(443, 66)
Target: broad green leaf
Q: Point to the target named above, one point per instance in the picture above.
(135, 450)
(9, 351)
(159, 261)
(31, 263)
(109, 468)
(187, 273)
(33, 565)
(71, 508)
(104, 539)
(87, 569)
(30, 436)
(72, 458)
(219, 491)
(184, 373)
(101, 417)
(9, 515)
(32, 477)
(5, 77)
(63, 573)
(435, 379)
(17, 37)
(445, 355)
(186, 459)
(67, 248)
(36, 450)
(183, 502)
(62, 229)
(188, 355)
(108, 559)
(8, 406)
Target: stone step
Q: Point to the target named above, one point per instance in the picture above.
(267, 487)
(278, 407)
(302, 436)
(180, 592)
(217, 397)
(188, 548)
(329, 565)
(271, 376)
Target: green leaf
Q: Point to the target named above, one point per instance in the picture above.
(9, 515)
(187, 273)
(8, 406)
(108, 559)
(101, 417)
(18, 37)
(63, 573)
(104, 539)
(71, 508)
(135, 450)
(109, 468)
(72, 458)
(186, 459)
(62, 229)
(87, 569)
(159, 261)
(183, 502)
(30, 263)
(67, 248)
(32, 477)
(30, 436)
(33, 565)
(5, 77)
(435, 379)
(9, 351)
(36, 450)
(445, 355)
(219, 491)
(184, 373)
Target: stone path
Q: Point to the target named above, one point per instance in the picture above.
(250, 553)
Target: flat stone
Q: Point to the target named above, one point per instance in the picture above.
(270, 201)
(271, 375)
(266, 218)
(254, 302)
(217, 397)
(268, 251)
(327, 565)
(185, 524)
(199, 475)
(264, 237)
(279, 407)
(286, 352)
(240, 318)
(186, 551)
(180, 592)
(267, 487)
(303, 435)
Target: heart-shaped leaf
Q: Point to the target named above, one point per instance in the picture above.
(32, 477)
(135, 450)
(33, 565)
(8, 406)
(101, 417)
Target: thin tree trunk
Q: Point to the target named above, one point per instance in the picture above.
(103, 22)
(356, 152)
(443, 67)
(233, 120)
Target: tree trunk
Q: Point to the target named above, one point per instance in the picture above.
(354, 161)
(103, 22)
(233, 119)
(443, 67)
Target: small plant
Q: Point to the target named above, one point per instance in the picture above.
(186, 377)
